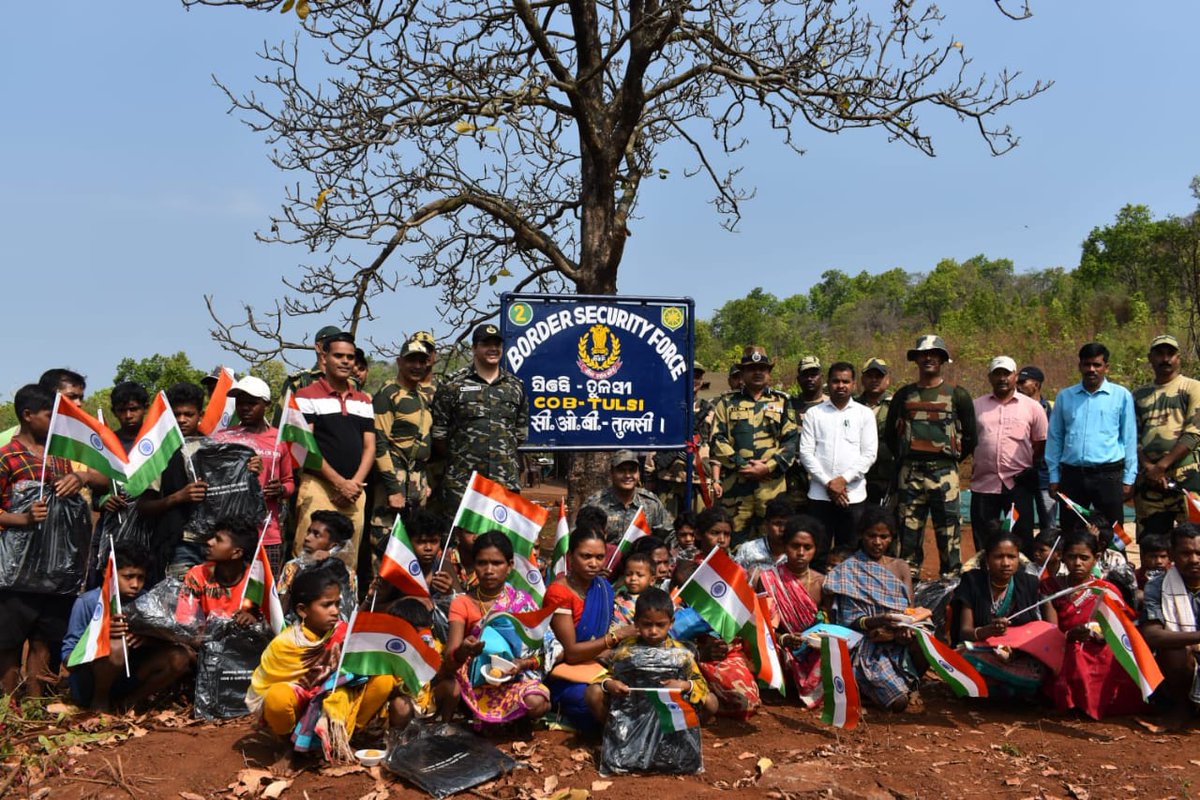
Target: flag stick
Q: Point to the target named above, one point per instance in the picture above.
(278, 438)
(112, 554)
(445, 547)
(257, 547)
(453, 525)
(1049, 556)
(1071, 506)
(676, 592)
(342, 655)
(46, 446)
(1048, 598)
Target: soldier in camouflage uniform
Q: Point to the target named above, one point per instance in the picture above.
(307, 377)
(428, 384)
(1168, 423)
(812, 393)
(403, 424)
(875, 379)
(755, 439)
(621, 500)
(930, 429)
(480, 418)
(670, 466)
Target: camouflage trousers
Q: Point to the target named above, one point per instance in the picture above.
(746, 503)
(929, 489)
(1157, 511)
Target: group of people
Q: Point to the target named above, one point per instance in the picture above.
(821, 499)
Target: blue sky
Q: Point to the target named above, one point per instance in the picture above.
(128, 192)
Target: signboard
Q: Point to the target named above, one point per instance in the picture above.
(602, 372)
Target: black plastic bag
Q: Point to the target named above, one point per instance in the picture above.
(124, 527)
(226, 661)
(936, 596)
(634, 741)
(443, 759)
(153, 614)
(49, 558)
(233, 493)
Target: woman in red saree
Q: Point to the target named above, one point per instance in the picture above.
(1091, 680)
(794, 597)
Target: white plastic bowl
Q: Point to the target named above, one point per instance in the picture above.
(502, 664)
(370, 757)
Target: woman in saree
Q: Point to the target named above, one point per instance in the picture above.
(793, 592)
(582, 600)
(469, 645)
(864, 593)
(294, 690)
(983, 607)
(1091, 680)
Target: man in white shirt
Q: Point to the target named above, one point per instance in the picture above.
(838, 443)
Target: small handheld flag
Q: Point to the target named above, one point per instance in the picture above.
(528, 626)
(220, 412)
(488, 506)
(1126, 642)
(673, 711)
(94, 643)
(1079, 510)
(962, 678)
(1121, 539)
(157, 441)
(562, 536)
(77, 436)
(638, 528)
(527, 576)
(1009, 519)
(841, 705)
(399, 565)
(380, 644)
(720, 593)
(259, 587)
(298, 433)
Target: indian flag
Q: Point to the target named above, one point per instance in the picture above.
(1126, 643)
(94, 643)
(841, 705)
(1008, 520)
(380, 644)
(1082, 512)
(638, 528)
(562, 538)
(259, 587)
(158, 440)
(950, 666)
(219, 413)
(298, 433)
(399, 565)
(720, 593)
(77, 436)
(761, 646)
(488, 506)
(527, 576)
(674, 713)
(1121, 539)
(529, 626)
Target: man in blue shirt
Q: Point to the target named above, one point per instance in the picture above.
(1091, 449)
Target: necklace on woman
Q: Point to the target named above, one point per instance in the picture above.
(997, 602)
(487, 602)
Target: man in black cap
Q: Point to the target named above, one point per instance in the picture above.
(305, 377)
(1029, 383)
(480, 418)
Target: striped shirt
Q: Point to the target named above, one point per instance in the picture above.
(339, 421)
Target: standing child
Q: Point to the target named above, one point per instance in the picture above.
(297, 669)
(39, 620)
(328, 532)
(649, 660)
(639, 576)
(153, 665)
(1156, 558)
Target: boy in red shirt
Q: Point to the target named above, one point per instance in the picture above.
(214, 588)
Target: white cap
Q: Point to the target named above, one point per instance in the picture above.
(1002, 362)
(252, 386)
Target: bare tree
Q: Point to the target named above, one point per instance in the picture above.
(480, 145)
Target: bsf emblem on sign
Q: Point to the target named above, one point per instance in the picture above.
(672, 318)
(599, 352)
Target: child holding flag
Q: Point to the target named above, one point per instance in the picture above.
(153, 666)
(37, 619)
(214, 588)
(657, 693)
(1091, 680)
(294, 689)
(471, 643)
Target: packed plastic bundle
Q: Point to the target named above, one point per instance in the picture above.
(153, 614)
(233, 492)
(227, 658)
(443, 759)
(51, 557)
(635, 737)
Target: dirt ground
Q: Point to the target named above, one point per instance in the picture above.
(950, 749)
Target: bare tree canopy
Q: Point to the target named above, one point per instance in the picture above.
(502, 143)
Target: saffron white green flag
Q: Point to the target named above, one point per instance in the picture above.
(297, 432)
(77, 436)
(488, 506)
(158, 440)
(380, 644)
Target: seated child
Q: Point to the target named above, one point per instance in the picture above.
(684, 546)
(1047, 552)
(764, 552)
(836, 556)
(639, 576)
(427, 531)
(212, 589)
(660, 559)
(153, 665)
(649, 660)
(328, 532)
(1156, 558)
(296, 671)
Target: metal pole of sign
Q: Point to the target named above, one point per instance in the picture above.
(689, 422)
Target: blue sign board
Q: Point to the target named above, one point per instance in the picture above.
(602, 372)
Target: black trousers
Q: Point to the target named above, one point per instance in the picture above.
(841, 525)
(987, 508)
(1097, 487)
